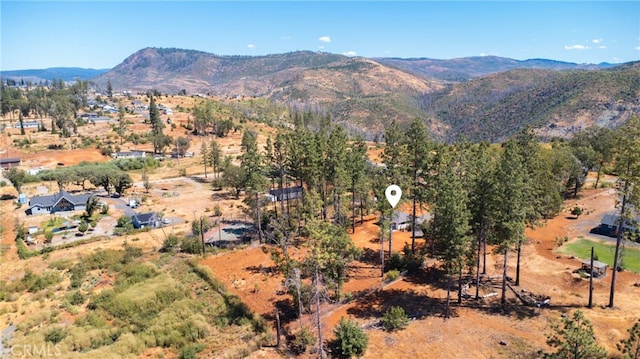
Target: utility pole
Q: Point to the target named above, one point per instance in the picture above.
(202, 234)
(591, 282)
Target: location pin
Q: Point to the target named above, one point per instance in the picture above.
(393, 194)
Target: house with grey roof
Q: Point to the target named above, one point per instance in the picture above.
(610, 222)
(285, 194)
(146, 219)
(401, 221)
(62, 201)
(7, 163)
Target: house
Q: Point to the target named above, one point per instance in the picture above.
(610, 222)
(59, 202)
(28, 124)
(7, 163)
(599, 268)
(285, 194)
(147, 219)
(88, 116)
(129, 154)
(401, 221)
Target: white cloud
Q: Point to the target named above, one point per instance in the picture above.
(602, 47)
(251, 46)
(596, 41)
(321, 47)
(349, 53)
(637, 47)
(324, 39)
(576, 47)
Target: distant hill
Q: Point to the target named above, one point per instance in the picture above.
(555, 103)
(64, 73)
(466, 68)
(480, 98)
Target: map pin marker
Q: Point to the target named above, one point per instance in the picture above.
(393, 194)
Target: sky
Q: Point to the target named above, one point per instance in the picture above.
(101, 34)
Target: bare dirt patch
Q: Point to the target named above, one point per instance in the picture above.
(478, 328)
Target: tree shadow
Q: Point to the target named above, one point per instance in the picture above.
(415, 305)
(370, 256)
(432, 276)
(260, 269)
(512, 308)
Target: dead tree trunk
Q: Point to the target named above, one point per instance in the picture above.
(503, 298)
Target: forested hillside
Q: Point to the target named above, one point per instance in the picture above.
(555, 103)
(489, 99)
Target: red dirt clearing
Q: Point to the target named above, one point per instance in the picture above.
(477, 328)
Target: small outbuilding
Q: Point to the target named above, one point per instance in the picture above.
(7, 163)
(599, 268)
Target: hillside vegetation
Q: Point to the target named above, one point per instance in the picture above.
(556, 102)
(480, 98)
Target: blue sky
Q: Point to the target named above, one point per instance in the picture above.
(101, 34)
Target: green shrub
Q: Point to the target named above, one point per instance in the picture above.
(34, 282)
(78, 272)
(192, 245)
(170, 243)
(55, 335)
(61, 264)
(350, 340)
(304, 338)
(91, 319)
(134, 273)
(75, 297)
(395, 262)
(392, 275)
(394, 319)
(191, 351)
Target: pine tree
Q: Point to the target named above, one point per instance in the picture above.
(204, 152)
(452, 227)
(627, 166)
(356, 169)
(336, 170)
(158, 138)
(215, 157)
(418, 147)
(574, 339)
(509, 211)
(630, 347)
(482, 192)
(393, 156)
(254, 181)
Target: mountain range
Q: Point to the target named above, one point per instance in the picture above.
(54, 73)
(478, 98)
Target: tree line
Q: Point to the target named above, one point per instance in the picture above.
(479, 195)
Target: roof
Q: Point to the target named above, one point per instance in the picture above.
(286, 193)
(10, 160)
(596, 264)
(52, 199)
(612, 219)
(402, 217)
(145, 217)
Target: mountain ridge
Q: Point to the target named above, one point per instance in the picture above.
(54, 73)
(479, 98)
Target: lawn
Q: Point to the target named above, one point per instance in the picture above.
(604, 252)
